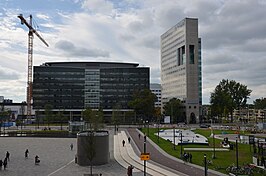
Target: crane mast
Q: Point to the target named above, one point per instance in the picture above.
(30, 59)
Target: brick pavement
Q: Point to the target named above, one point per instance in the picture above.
(56, 158)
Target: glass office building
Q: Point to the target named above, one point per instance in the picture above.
(73, 86)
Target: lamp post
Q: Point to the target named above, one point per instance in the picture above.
(158, 129)
(236, 154)
(213, 141)
(148, 127)
(205, 165)
(174, 135)
(181, 152)
(144, 152)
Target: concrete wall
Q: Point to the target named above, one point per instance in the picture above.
(100, 146)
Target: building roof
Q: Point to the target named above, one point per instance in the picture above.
(91, 64)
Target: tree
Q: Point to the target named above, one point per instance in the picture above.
(227, 96)
(260, 103)
(48, 114)
(116, 115)
(173, 108)
(143, 103)
(94, 119)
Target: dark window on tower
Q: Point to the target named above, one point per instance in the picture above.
(191, 54)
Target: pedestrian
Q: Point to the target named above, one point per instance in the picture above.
(37, 161)
(71, 146)
(139, 135)
(128, 139)
(190, 157)
(5, 163)
(26, 153)
(1, 164)
(130, 170)
(7, 156)
(123, 142)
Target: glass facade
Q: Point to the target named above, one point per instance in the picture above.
(79, 85)
(63, 88)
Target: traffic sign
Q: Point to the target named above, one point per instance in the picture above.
(145, 156)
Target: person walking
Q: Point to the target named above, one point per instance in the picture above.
(71, 146)
(1, 164)
(139, 135)
(130, 170)
(26, 153)
(7, 156)
(5, 163)
(129, 140)
(123, 142)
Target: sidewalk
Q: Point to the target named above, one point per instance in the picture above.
(161, 157)
(130, 157)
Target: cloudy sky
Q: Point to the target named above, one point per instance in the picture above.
(233, 37)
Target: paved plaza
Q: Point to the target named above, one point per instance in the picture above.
(56, 158)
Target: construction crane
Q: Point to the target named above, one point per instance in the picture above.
(30, 59)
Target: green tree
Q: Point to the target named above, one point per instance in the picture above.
(48, 114)
(173, 108)
(116, 115)
(260, 103)
(94, 119)
(143, 103)
(227, 96)
(60, 117)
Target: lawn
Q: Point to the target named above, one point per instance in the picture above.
(222, 160)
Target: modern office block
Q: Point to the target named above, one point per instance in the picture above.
(181, 68)
(74, 86)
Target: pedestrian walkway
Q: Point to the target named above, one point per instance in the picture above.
(159, 156)
(130, 158)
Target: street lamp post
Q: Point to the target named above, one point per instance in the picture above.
(213, 141)
(205, 165)
(236, 154)
(174, 136)
(144, 152)
(148, 127)
(181, 152)
(158, 129)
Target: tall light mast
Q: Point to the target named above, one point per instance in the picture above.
(30, 59)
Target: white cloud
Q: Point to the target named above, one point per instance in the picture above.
(233, 38)
(98, 6)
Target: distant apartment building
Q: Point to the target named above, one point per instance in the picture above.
(181, 68)
(156, 89)
(73, 86)
(246, 114)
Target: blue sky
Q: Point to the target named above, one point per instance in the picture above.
(233, 37)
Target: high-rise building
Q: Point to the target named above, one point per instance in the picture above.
(73, 86)
(156, 89)
(181, 68)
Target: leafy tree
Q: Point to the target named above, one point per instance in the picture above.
(143, 103)
(173, 108)
(227, 96)
(116, 115)
(61, 118)
(48, 113)
(260, 103)
(94, 119)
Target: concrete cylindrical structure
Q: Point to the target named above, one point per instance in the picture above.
(93, 142)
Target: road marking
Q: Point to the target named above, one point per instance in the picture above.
(61, 168)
